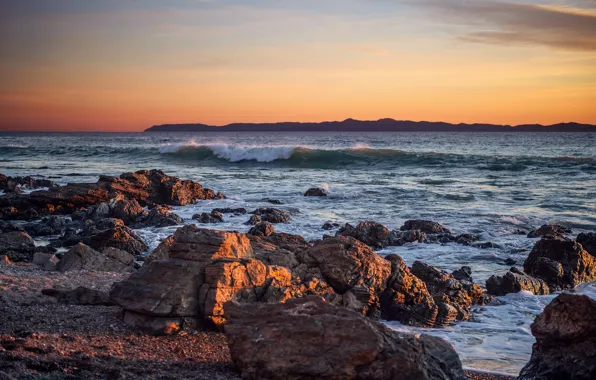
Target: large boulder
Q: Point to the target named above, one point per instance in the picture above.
(82, 257)
(316, 192)
(560, 262)
(374, 234)
(588, 241)
(549, 229)
(122, 238)
(212, 217)
(308, 338)
(158, 216)
(515, 281)
(262, 229)
(269, 214)
(426, 226)
(17, 246)
(565, 345)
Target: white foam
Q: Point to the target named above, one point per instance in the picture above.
(173, 148)
(235, 153)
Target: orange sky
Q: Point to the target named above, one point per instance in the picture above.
(215, 62)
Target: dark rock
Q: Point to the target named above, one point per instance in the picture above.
(262, 229)
(549, 229)
(235, 211)
(561, 262)
(588, 241)
(515, 281)
(427, 226)
(120, 237)
(158, 217)
(272, 201)
(565, 341)
(310, 339)
(487, 245)
(17, 246)
(467, 239)
(374, 234)
(510, 261)
(316, 192)
(162, 250)
(51, 225)
(213, 217)
(82, 257)
(79, 296)
(269, 214)
(463, 273)
(330, 226)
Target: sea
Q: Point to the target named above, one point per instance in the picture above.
(497, 185)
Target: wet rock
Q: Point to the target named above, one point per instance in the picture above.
(463, 273)
(510, 261)
(213, 217)
(374, 234)
(549, 229)
(52, 225)
(487, 245)
(588, 241)
(82, 257)
(316, 192)
(427, 226)
(17, 246)
(119, 237)
(272, 201)
(515, 281)
(561, 262)
(310, 339)
(262, 229)
(565, 341)
(162, 250)
(158, 217)
(269, 214)
(468, 239)
(10, 184)
(79, 296)
(398, 238)
(235, 211)
(10, 227)
(330, 226)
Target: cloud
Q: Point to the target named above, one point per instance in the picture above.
(516, 23)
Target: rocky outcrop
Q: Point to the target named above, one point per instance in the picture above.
(51, 225)
(330, 226)
(82, 257)
(146, 187)
(310, 339)
(228, 210)
(79, 296)
(17, 246)
(565, 345)
(15, 184)
(120, 237)
(158, 216)
(374, 234)
(515, 281)
(212, 217)
(316, 192)
(127, 210)
(560, 262)
(262, 229)
(588, 242)
(549, 229)
(269, 214)
(426, 226)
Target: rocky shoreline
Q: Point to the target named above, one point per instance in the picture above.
(197, 280)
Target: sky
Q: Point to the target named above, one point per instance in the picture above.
(125, 65)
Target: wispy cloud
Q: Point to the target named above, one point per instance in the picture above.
(501, 22)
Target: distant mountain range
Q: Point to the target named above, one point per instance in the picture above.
(382, 125)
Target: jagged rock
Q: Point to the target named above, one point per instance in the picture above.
(374, 234)
(162, 250)
(588, 241)
(119, 237)
(272, 201)
(487, 245)
(213, 217)
(158, 216)
(262, 229)
(453, 297)
(10, 184)
(82, 257)
(510, 261)
(468, 239)
(310, 339)
(427, 226)
(463, 273)
(79, 296)
(565, 345)
(560, 262)
(515, 281)
(10, 227)
(549, 229)
(17, 246)
(316, 192)
(398, 238)
(330, 226)
(227, 210)
(269, 214)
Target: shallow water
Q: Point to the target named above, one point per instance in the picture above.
(493, 184)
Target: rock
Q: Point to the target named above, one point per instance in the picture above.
(515, 281)
(82, 257)
(398, 238)
(262, 229)
(272, 201)
(5, 260)
(79, 296)
(9, 184)
(47, 261)
(565, 341)
(17, 246)
(487, 245)
(308, 338)
(213, 217)
(374, 234)
(330, 226)
(463, 273)
(549, 229)
(235, 211)
(468, 239)
(560, 262)
(52, 225)
(159, 217)
(588, 241)
(316, 192)
(162, 250)
(10, 227)
(271, 215)
(349, 265)
(119, 237)
(510, 261)
(427, 226)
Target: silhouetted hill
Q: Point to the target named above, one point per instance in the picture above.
(382, 125)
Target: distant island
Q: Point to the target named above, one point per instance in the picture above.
(382, 125)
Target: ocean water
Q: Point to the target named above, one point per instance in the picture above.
(492, 184)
